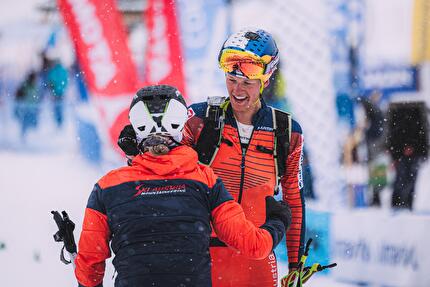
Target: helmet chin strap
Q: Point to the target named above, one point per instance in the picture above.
(256, 102)
(263, 86)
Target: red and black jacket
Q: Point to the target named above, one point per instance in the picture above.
(157, 216)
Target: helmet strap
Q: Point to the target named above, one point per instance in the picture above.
(263, 85)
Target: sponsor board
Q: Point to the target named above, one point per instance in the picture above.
(381, 248)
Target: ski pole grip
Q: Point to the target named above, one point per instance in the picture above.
(308, 244)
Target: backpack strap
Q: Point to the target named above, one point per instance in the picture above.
(282, 128)
(210, 139)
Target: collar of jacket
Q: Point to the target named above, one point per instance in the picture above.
(261, 113)
(179, 160)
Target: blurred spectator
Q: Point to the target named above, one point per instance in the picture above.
(27, 103)
(373, 137)
(55, 79)
(355, 167)
(407, 142)
(406, 166)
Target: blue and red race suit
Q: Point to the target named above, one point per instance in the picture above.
(250, 176)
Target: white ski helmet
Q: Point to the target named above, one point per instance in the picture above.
(158, 110)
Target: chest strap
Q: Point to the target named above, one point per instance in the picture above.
(210, 137)
(282, 127)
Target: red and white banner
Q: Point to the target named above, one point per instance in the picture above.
(100, 41)
(101, 46)
(164, 59)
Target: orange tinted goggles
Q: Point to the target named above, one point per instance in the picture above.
(253, 67)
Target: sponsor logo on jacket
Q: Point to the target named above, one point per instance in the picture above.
(264, 128)
(190, 113)
(159, 190)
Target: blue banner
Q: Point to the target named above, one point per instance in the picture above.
(389, 79)
(317, 228)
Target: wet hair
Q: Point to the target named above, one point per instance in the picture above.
(157, 144)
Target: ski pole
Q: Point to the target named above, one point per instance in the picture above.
(316, 267)
(302, 274)
(65, 235)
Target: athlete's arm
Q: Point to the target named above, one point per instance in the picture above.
(291, 183)
(236, 231)
(93, 248)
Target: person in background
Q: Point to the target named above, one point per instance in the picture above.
(407, 142)
(157, 213)
(374, 139)
(55, 79)
(244, 157)
(27, 103)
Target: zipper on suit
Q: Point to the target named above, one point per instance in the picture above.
(242, 164)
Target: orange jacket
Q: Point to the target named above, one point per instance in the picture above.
(157, 214)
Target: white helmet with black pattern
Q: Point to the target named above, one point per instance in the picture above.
(158, 110)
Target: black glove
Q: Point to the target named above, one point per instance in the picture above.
(127, 141)
(65, 235)
(278, 210)
(278, 219)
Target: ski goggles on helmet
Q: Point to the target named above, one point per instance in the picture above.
(251, 66)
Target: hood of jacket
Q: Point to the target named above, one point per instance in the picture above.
(179, 160)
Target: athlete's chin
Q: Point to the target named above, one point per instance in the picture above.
(240, 106)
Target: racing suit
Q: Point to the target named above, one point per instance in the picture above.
(249, 175)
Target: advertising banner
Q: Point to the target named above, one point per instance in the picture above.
(100, 40)
(164, 60)
(163, 55)
(384, 249)
(389, 79)
(318, 228)
(421, 31)
(101, 46)
(390, 46)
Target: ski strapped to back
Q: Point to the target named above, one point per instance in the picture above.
(210, 137)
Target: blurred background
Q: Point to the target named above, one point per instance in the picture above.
(354, 73)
